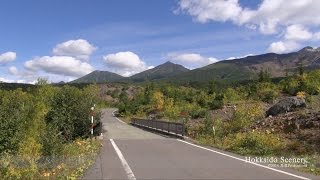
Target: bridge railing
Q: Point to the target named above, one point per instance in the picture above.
(164, 126)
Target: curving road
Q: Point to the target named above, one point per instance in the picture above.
(131, 153)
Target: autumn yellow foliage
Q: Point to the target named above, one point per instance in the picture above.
(157, 100)
(301, 94)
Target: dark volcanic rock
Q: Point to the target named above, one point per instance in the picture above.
(286, 105)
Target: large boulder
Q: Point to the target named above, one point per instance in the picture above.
(286, 105)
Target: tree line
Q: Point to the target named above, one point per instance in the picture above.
(42, 121)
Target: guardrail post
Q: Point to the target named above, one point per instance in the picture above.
(176, 129)
(182, 130)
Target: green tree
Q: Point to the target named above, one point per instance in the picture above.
(123, 97)
(217, 102)
(42, 81)
(16, 107)
(264, 76)
(157, 101)
(69, 112)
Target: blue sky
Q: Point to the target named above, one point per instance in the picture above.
(65, 39)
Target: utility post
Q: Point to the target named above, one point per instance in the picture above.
(185, 116)
(92, 114)
(214, 133)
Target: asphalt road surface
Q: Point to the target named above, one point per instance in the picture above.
(132, 153)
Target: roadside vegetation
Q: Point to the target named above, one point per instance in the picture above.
(44, 128)
(233, 117)
(44, 131)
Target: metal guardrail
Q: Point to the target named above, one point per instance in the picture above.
(167, 127)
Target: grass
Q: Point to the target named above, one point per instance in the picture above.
(314, 165)
(264, 145)
(236, 136)
(76, 157)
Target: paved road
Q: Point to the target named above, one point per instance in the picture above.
(132, 153)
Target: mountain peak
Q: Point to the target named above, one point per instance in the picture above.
(171, 65)
(168, 62)
(308, 49)
(164, 70)
(99, 77)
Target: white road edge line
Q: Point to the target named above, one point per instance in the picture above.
(123, 161)
(117, 118)
(280, 171)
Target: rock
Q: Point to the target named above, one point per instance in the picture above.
(286, 105)
(297, 126)
(268, 132)
(152, 116)
(316, 124)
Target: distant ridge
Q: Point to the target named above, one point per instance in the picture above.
(248, 67)
(277, 65)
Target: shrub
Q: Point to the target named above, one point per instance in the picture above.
(157, 100)
(221, 129)
(244, 116)
(301, 94)
(35, 125)
(307, 82)
(217, 102)
(268, 95)
(290, 86)
(254, 143)
(16, 108)
(202, 99)
(171, 110)
(196, 130)
(231, 95)
(52, 141)
(197, 112)
(70, 111)
(208, 125)
(267, 92)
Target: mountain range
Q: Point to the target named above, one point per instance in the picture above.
(165, 70)
(277, 65)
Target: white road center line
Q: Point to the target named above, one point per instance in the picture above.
(123, 161)
(283, 172)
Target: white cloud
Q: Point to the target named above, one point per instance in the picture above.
(297, 32)
(7, 57)
(270, 16)
(80, 49)
(191, 59)
(59, 65)
(206, 10)
(292, 20)
(283, 46)
(125, 63)
(13, 70)
(6, 80)
(316, 36)
(16, 81)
